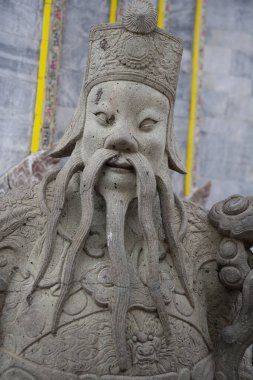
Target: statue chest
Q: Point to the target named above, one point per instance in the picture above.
(83, 343)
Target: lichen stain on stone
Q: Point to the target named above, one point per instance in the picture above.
(98, 95)
(104, 44)
(111, 120)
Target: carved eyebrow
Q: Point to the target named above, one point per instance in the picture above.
(150, 113)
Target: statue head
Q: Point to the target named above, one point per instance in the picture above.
(122, 138)
(130, 82)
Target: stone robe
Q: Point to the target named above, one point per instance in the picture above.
(82, 347)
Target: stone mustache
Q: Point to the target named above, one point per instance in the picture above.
(104, 272)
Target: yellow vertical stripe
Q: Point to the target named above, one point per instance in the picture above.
(113, 11)
(160, 12)
(38, 116)
(194, 98)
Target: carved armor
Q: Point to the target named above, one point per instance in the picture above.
(83, 343)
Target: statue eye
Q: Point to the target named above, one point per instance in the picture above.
(147, 125)
(104, 120)
(101, 117)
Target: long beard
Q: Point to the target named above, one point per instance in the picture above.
(146, 187)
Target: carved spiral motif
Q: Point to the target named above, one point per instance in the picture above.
(235, 205)
(140, 17)
(231, 276)
(16, 374)
(228, 249)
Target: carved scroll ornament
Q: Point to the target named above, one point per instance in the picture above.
(234, 219)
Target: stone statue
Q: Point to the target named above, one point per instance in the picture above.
(104, 272)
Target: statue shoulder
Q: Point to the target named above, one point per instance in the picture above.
(201, 237)
(21, 222)
(233, 217)
(18, 208)
(197, 215)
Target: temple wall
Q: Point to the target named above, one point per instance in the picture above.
(181, 23)
(20, 34)
(79, 17)
(224, 149)
(224, 127)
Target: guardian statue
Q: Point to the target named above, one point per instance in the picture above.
(104, 272)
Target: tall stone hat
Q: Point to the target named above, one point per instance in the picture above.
(136, 50)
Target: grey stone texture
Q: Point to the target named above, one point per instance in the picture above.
(224, 151)
(20, 33)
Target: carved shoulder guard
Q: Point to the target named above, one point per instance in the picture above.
(16, 208)
(19, 228)
(233, 218)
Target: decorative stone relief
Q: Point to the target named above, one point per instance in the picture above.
(28, 172)
(104, 272)
(234, 219)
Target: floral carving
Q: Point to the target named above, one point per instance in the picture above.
(98, 282)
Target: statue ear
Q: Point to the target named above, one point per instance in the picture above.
(74, 131)
(172, 149)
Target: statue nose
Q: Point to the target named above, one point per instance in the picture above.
(145, 351)
(123, 142)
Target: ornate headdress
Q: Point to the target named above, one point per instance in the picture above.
(135, 50)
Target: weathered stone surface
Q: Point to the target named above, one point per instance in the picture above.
(105, 274)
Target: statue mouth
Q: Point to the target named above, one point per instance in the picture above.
(146, 363)
(120, 163)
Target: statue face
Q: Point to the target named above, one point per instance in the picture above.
(127, 117)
